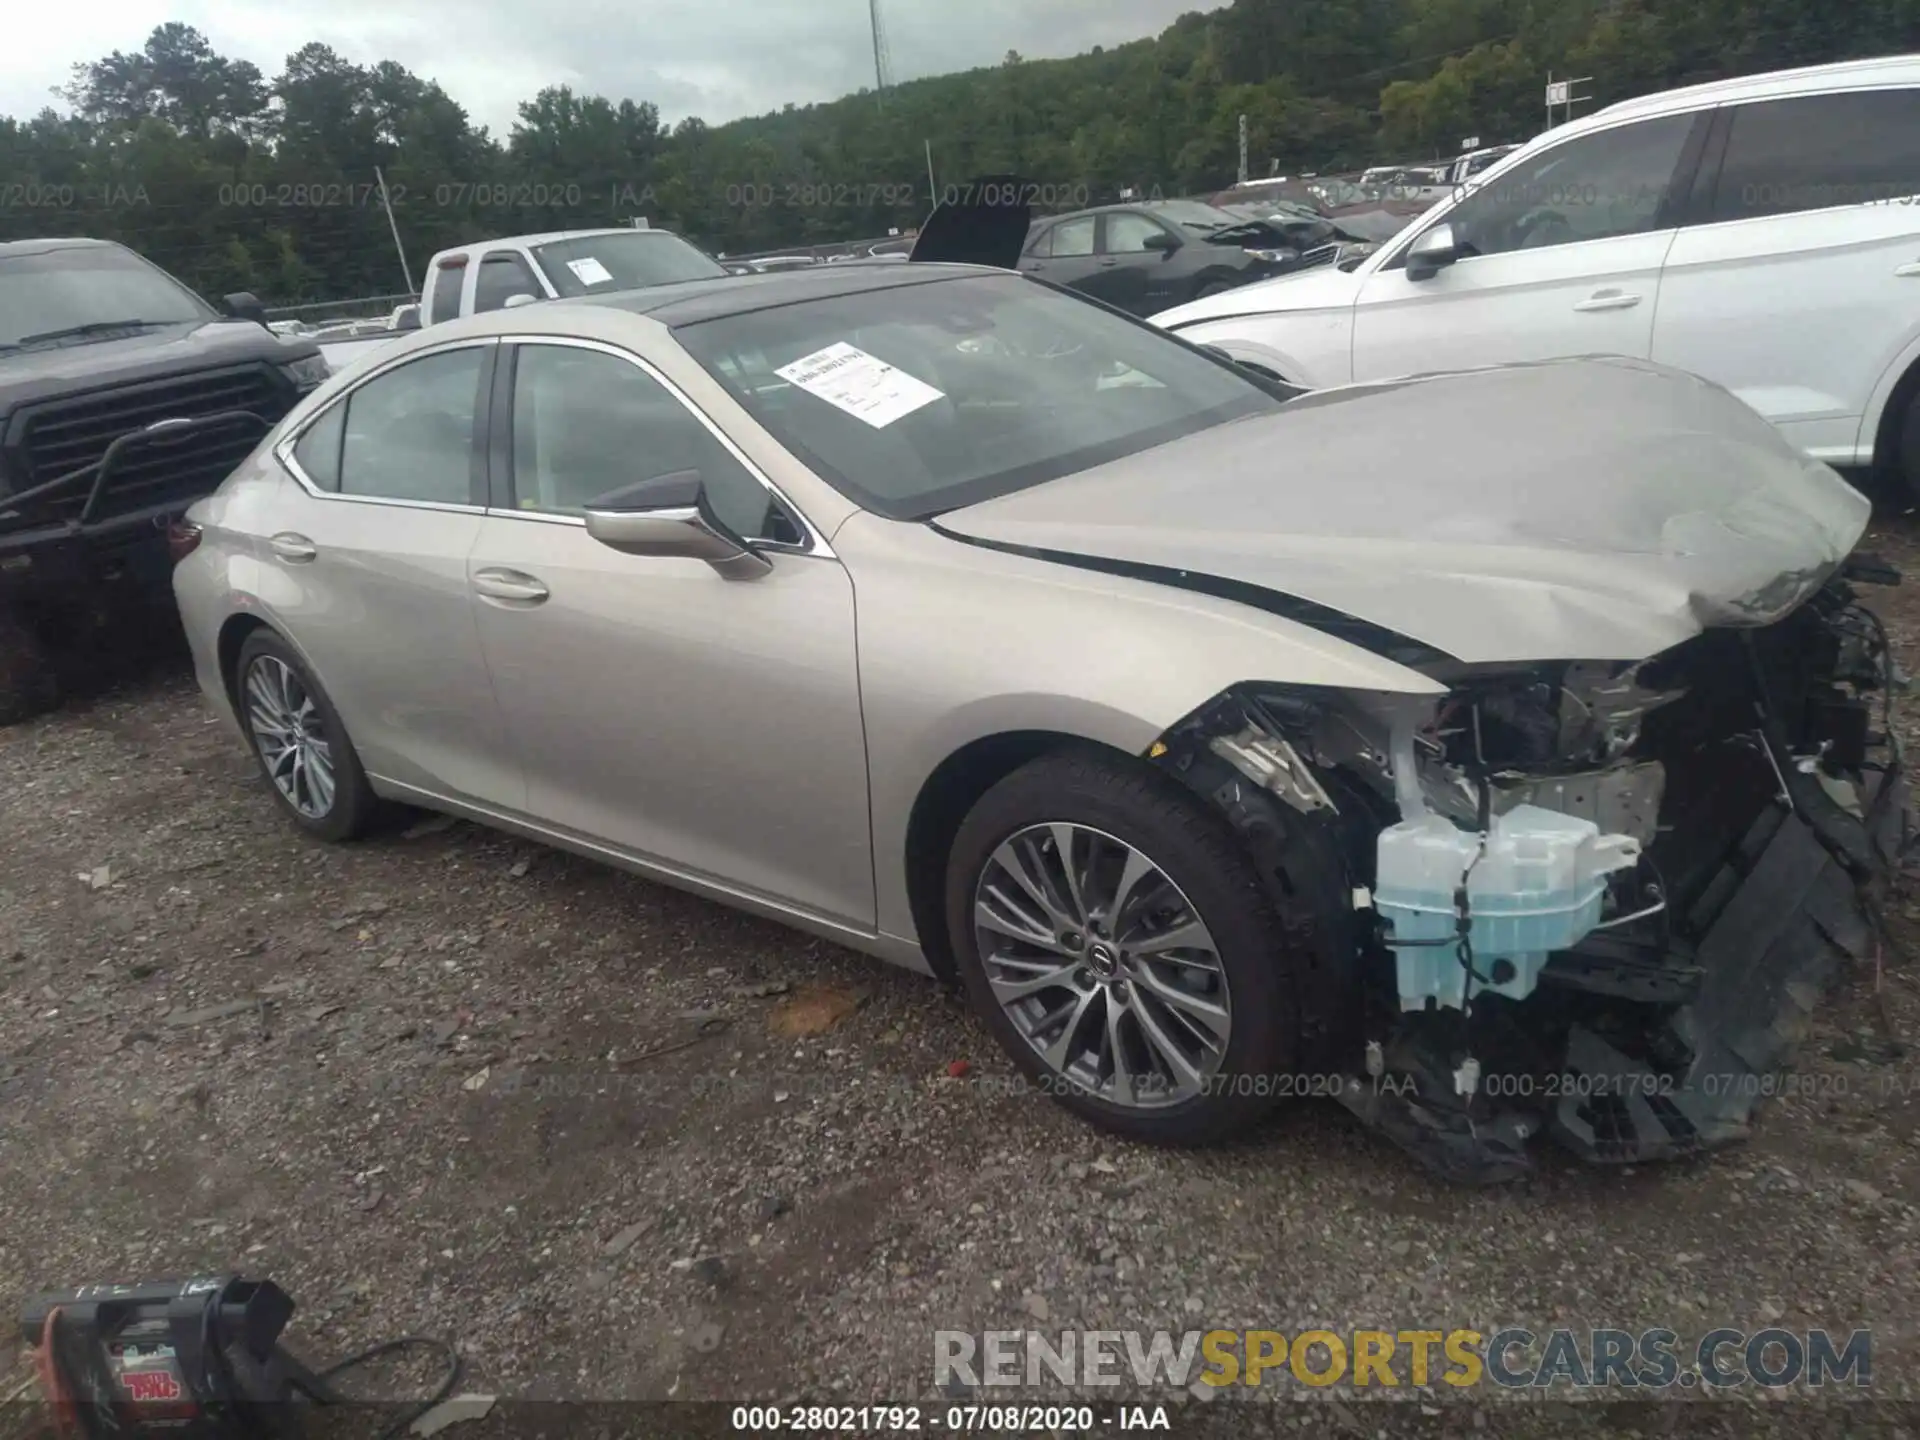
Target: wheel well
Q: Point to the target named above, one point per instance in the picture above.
(233, 634)
(1886, 444)
(950, 792)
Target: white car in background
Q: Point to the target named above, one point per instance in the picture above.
(1763, 233)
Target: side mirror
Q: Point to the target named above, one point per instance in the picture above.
(245, 305)
(669, 515)
(1161, 241)
(1432, 253)
(514, 302)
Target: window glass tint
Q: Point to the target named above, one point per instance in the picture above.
(444, 300)
(1043, 246)
(1127, 233)
(1073, 237)
(502, 275)
(586, 424)
(1819, 151)
(1593, 188)
(318, 451)
(409, 434)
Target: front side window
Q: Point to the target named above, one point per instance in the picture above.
(925, 396)
(1594, 188)
(587, 424)
(1128, 233)
(503, 275)
(1820, 151)
(409, 434)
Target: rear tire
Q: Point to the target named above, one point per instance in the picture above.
(1160, 946)
(1908, 454)
(310, 764)
(29, 684)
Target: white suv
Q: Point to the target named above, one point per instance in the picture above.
(1763, 233)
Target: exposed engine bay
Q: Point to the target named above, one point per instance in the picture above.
(1594, 899)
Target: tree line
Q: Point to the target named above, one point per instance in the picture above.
(239, 182)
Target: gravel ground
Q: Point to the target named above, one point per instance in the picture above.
(448, 1082)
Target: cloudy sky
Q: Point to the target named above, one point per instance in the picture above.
(714, 58)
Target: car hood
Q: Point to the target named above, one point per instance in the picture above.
(43, 371)
(1597, 509)
(1327, 289)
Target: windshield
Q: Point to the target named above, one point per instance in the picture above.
(921, 398)
(629, 260)
(1195, 214)
(49, 292)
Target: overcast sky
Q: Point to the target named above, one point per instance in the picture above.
(718, 59)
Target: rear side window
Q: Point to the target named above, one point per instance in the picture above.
(409, 435)
(1073, 237)
(1819, 151)
(502, 274)
(318, 451)
(443, 302)
(1042, 246)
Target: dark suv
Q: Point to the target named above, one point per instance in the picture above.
(1157, 254)
(124, 397)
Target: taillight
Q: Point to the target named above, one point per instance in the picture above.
(183, 538)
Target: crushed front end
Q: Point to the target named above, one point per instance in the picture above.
(1649, 874)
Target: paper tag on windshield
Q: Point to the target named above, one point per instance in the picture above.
(590, 271)
(863, 385)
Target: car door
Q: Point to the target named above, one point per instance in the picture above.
(1564, 259)
(1066, 254)
(707, 725)
(1800, 285)
(366, 571)
(1134, 276)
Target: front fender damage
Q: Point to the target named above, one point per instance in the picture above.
(1749, 792)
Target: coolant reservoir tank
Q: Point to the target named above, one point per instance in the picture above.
(1536, 887)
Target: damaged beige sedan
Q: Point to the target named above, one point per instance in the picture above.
(1506, 746)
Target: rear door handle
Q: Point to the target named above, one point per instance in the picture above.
(1608, 300)
(1909, 272)
(1108, 264)
(511, 585)
(296, 548)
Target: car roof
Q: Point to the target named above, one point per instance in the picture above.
(690, 302)
(1846, 75)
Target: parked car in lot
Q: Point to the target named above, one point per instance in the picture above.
(1148, 256)
(124, 397)
(1762, 232)
(937, 612)
(520, 269)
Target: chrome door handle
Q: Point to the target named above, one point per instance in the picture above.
(515, 585)
(1608, 300)
(1909, 272)
(297, 548)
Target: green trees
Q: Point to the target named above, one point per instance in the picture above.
(235, 181)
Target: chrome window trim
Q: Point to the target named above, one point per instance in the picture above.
(283, 449)
(816, 541)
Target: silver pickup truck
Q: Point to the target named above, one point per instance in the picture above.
(525, 269)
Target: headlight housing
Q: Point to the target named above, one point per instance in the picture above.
(1275, 257)
(307, 373)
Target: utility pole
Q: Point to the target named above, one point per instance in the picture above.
(394, 225)
(1243, 149)
(882, 60)
(933, 185)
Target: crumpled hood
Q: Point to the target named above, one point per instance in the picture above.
(1597, 509)
(1317, 289)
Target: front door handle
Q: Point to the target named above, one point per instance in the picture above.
(1909, 272)
(512, 585)
(296, 548)
(1608, 300)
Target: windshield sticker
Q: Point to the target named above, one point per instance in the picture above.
(863, 385)
(590, 271)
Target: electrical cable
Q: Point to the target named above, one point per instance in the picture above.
(388, 1347)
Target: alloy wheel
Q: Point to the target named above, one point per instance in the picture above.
(1102, 965)
(291, 736)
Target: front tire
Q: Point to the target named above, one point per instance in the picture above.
(29, 685)
(303, 749)
(1115, 938)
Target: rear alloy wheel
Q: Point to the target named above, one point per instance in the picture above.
(1117, 942)
(301, 745)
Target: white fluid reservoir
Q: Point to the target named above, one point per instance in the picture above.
(1537, 886)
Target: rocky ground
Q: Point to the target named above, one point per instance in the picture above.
(620, 1143)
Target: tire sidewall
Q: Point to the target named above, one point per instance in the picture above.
(353, 799)
(1201, 856)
